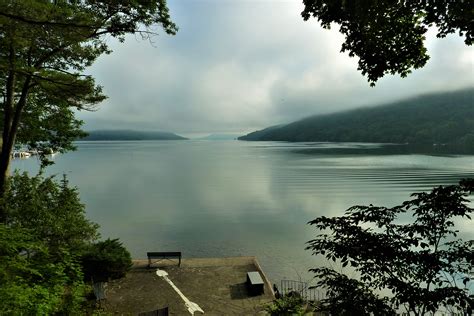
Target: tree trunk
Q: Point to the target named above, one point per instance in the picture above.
(4, 173)
(10, 130)
(5, 155)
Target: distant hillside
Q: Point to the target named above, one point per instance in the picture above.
(130, 135)
(442, 118)
(219, 137)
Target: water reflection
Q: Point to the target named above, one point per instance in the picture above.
(239, 198)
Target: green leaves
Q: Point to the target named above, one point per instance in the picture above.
(417, 261)
(388, 36)
(31, 281)
(45, 234)
(47, 249)
(286, 305)
(347, 296)
(106, 260)
(51, 211)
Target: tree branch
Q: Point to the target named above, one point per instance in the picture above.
(44, 22)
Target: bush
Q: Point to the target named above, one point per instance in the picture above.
(291, 304)
(106, 260)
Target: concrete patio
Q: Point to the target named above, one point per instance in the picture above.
(217, 285)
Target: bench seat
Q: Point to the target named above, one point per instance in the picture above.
(255, 283)
(163, 255)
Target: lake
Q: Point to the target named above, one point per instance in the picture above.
(233, 198)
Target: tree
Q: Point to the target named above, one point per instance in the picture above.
(388, 35)
(52, 212)
(44, 237)
(49, 250)
(18, 273)
(45, 46)
(421, 262)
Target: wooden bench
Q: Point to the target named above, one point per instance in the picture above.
(255, 283)
(162, 256)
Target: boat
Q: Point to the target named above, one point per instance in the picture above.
(21, 154)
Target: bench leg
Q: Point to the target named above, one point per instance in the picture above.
(179, 264)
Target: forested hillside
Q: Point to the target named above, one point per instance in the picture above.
(131, 135)
(442, 118)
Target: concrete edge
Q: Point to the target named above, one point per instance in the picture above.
(203, 262)
(265, 279)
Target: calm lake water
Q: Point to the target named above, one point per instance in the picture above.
(231, 198)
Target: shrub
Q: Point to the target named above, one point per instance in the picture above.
(291, 304)
(106, 260)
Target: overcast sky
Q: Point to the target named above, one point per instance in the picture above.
(236, 66)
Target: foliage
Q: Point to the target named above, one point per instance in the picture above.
(45, 47)
(349, 296)
(410, 250)
(47, 127)
(442, 118)
(388, 35)
(107, 259)
(34, 283)
(286, 305)
(51, 211)
(45, 232)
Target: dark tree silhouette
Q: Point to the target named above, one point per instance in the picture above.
(388, 35)
(410, 250)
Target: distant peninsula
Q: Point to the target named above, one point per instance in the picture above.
(438, 118)
(219, 137)
(130, 135)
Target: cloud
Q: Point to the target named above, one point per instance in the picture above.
(235, 66)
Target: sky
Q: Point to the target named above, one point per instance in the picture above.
(236, 66)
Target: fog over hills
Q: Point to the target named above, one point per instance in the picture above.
(437, 118)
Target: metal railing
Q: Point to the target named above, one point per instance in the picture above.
(306, 292)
